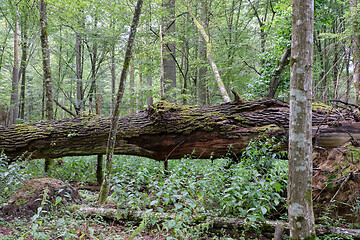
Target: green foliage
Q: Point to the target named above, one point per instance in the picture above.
(195, 189)
(14, 175)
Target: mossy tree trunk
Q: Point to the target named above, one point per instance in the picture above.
(45, 50)
(168, 131)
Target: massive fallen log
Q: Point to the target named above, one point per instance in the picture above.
(168, 131)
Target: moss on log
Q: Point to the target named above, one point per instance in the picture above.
(169, 131)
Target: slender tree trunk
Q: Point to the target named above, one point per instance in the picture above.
(104, 190)
(138, 92)
(113, 78)
(132, 88)
(99, 169)
(348, 78)
(223, 92)
(14, 101)
(356, 51)
(79, 75)
(150, 97)
(24, 48)
(92, 90)
(162, 75)
(301, 216)
(49, 163)
(202, 91)
(168, 28)
(276, 78)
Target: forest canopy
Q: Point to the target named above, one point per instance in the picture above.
(250, 44)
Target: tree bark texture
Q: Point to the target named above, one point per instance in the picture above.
(45, 49)
(168, 131)
(168, 29)
(356, 50)
(300, 209)
(14, 101)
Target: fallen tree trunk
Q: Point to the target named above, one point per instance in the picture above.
(215, 222)
(168, 131)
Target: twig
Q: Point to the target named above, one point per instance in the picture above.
(64, 108)
(342, 184)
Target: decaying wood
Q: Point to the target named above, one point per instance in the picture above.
(215, 222)
(168, 131)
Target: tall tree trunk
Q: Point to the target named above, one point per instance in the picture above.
(202, 85)
(223, 92)
(46, 71)
(150, 97)
(168, 28)
(24, 48)
(138, 92)
(14, 101)
(113, 78)
(162, 74)
(348, 77)
(79, 75)
(132, 88)
(300, 210)
(356, 50)
(92, 90)
(104, 190)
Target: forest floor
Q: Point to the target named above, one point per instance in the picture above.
(35, 205)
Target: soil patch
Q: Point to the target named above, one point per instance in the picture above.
(43, 192)
(336, 183)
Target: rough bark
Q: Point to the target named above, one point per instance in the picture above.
(356, 50)
(167, 128)
(300, 209)
(79, 107)
(45, 50)
(168, 28)
(14, 107)
(24, 48)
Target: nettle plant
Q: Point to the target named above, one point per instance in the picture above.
(194, 189)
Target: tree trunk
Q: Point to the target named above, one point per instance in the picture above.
(168, 28)
(223, 92)
(47, 72)
(14, 101)
(356, 51)
(300, 210)
(167, 128)
(202, 89)
(112, 139)
(113, 78)
(23, 64)
(150, 100)
(276, 78)
(80, 107)
(132, 89)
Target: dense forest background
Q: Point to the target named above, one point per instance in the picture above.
(250, 44)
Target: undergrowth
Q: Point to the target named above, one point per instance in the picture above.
(193, 190)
